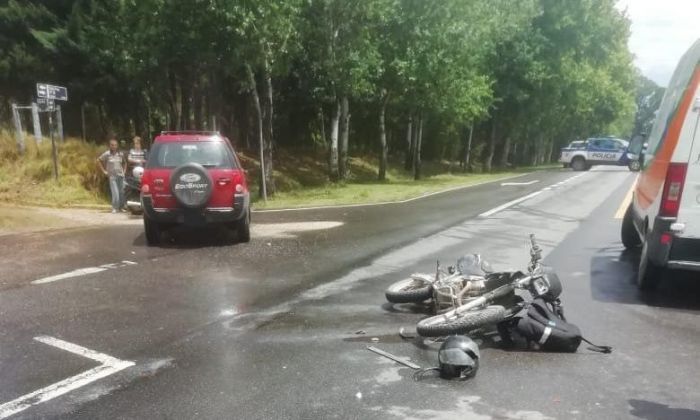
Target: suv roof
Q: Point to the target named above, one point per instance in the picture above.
(174, 136)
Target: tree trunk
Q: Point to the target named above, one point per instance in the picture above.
(322, 122)
(268, 134)
(259, 131)
(417, 147)
(344, 133)
(548, 158)
(382, 138)
(505, 153)
(333, 156)
(492, 146)
(173, 102)
(197, 102)
(468, 150)
(408, 163)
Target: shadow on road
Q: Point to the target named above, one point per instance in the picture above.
(181, 238)
(613, 273)
(655, 411)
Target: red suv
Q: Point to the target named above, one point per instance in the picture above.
(194, 179)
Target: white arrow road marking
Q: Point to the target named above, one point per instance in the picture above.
(82, 272)
(506, 184)
(109, 365)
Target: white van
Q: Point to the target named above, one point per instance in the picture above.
(664, 215)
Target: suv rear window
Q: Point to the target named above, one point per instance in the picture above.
(208, 154)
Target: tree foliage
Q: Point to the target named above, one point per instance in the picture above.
(394, 77)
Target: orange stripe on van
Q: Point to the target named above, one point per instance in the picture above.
(652, 179)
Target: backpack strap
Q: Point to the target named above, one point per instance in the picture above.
(595, 347)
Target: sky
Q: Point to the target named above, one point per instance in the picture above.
(662, 31)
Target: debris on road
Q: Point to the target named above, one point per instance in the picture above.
(392, 357)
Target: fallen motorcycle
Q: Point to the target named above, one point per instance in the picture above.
(471, 277)
(498, 304)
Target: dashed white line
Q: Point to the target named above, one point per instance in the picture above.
(527, 197)
(508, 184)
(83, 272)
(109, 365)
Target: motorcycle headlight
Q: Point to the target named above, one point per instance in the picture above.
(540, 285)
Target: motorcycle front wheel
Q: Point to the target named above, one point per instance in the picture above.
(439, 325)
(409, 291)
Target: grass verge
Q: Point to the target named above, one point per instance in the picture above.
(300, 176)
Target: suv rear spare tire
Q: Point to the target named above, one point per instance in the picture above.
(191, 185)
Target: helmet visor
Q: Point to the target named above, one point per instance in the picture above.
(455, 357)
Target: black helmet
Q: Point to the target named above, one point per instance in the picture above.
(548, 286)
(458, 357)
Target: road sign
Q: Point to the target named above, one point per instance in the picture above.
(47, 91)
(46, 104)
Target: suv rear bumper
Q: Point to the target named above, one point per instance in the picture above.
(197, 217)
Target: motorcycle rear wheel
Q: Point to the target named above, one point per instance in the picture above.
(409, 291)
(439, 326)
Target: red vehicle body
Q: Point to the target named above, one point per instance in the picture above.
(194, 179)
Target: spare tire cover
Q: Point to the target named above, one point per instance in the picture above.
(191, 185)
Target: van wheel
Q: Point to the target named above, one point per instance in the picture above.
(628, 233)
(578, 164)
(649, 274)
(152, 230)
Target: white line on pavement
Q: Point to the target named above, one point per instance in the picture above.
(527, 197)
(109, 366)
(507, 184)
(82, 272)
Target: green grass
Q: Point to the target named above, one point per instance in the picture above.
(355, 193)
(28, 178)
(300, 177)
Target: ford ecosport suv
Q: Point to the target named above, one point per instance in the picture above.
(194, 179)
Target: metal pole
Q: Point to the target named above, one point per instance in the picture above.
(19, 133)
(53, 149)
(37, 123)
(59, 118)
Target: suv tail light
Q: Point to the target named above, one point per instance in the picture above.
(673, 189)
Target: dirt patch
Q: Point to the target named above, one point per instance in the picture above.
(17, 219)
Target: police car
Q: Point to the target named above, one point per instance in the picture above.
(580, 155)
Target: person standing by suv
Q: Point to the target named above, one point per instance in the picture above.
(137, 155)
(113, 165)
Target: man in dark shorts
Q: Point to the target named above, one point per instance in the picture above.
(113, 165)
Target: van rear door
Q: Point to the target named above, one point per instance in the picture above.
(689, 211)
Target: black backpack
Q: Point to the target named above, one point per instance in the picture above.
(550, 331)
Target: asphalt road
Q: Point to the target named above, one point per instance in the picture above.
(201, 328)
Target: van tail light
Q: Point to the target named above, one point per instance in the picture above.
(673, 189)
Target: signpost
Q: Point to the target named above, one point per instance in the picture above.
(49, 94)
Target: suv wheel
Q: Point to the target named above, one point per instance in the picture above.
(578, 164)
(152, 230)
(628, 233)
(649, 274)
(243, 228)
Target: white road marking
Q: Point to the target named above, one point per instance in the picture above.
(384, 203)
(83, 272)
(109, 365)
(509, 204)
(527, 197)
(507, 184)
